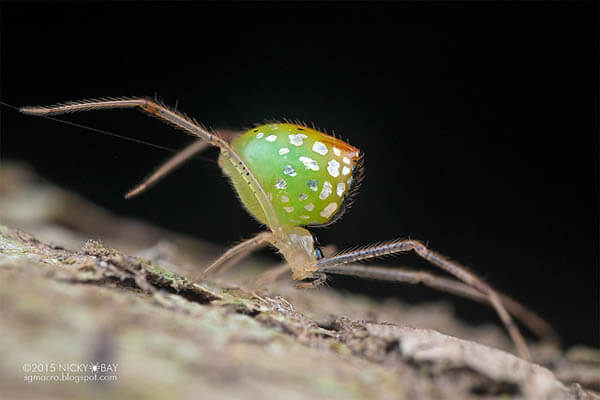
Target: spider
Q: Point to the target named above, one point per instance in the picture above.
(290, 177)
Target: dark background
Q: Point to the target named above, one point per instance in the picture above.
(479, 123)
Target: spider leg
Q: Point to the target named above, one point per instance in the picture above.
(237, 252)
(227, 265)
(180, 121)
(273, 274)
(270, 276)
(168, 166)
(442, 262)
(174, 162)
(150, 106)
(527, 317)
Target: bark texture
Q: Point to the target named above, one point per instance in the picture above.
(67, 297)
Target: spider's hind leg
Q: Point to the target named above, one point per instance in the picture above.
(174, 162)
(168, 166)
(179, 120)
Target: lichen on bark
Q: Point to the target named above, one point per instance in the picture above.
(71, 298)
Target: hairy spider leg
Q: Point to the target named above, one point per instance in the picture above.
(529, 318)
(182, 122)
(174, 162)
(168, 166)
(526, 316)
(226, 266)
(237, 252)
(269, 276)
(440, 261)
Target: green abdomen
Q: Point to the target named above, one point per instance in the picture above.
(306, 174)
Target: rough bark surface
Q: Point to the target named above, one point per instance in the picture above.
(67, 298)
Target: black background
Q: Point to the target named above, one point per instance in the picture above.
(478, 120)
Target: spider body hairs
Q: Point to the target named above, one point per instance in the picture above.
(291, 177)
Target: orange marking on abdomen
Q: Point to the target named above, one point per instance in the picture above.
(350, 151)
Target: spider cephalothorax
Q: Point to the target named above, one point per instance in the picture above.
(289, 176)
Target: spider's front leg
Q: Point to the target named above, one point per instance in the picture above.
(332, 264)
(526, 316)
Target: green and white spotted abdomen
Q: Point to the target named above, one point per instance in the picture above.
(305, 173)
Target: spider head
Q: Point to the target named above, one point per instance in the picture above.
(298, 247)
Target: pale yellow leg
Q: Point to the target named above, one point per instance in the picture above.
(237, 252)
